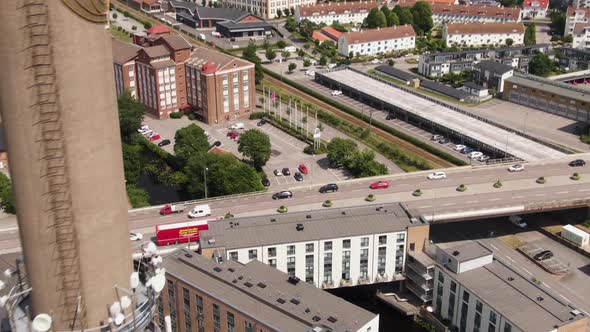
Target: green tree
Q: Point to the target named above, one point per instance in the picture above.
(422, 14)
(6, 197)
(279, 13)
(132, 162)
(530, 35)
(509, 41)
(281, 44)
(541, 65)
(285, 54)
(568, 39)
(306, 63)
(363, 164)
(558, 22)
(386, 11)
(340, 150)
(323, 61)
(190, 141)
(404, 14)
(286, 11)
(300, 52)
(292, 67)
(250, 55)
(270, 54)
(130, 115)
(376, 19)
(291, 24)
(392, 20)
(255, 145)
(226, 175)
(204, 3)
(137, 197)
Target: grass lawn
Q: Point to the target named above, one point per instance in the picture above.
(120, 35)
(511, 240)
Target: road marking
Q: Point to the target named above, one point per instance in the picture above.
(544, 284)
(425, 207)
(493, 246)
(518, 197)
(449, 204)
(539, 195)
(510, 258)
(9, 229)
(563, 192)
(494, 199)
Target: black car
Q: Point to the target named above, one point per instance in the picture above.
(577, 162)
(265, 182)
(390, 116)
(164, 143)
(298, 176)
(543, 255)
(330, 187)
(282, 194)
(216, 143)
(286, 171)
(261, 123)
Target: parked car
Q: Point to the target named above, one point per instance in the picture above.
(459, 147)
(143, 129)
(172, 208)
(516, 168)
(436, 176)
(164, 143)
(543, 255)
(152, 134)
(443, 140)
(310, 73)
(155, 137)
(282, 195)
(484, 158)
(517, 221)
(467, 150)
(265, 182)
(216, 143)
(277, 172)
(330, 187)
(286, 171)
(577, 162)
(379, 185)
(336, 93)
(135, 236)
(303, 168)
(200, 211)
(390, 116)
(233, 135)
(475, 155)
(262, 122)
(436, 138)
(239, 125)
(298, 176)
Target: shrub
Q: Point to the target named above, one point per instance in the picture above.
(310, 150)
(417, 193)
(462, 188)
(126, 13)
(282, 209)
(575, 177)
(370, 198)
(115, 15)
(327, 203)
(541, 180)
(256, 115)
(498, 184)
(176, 115)
(147, 25)
(228, 215)
(133, 28)
(192, 117)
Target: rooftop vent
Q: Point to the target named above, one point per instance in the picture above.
(510, 279)
(307, 310)
(299, 227)
(261, 285)
(295, 301)
(540, 298)
(187, 255)
(211, 241)
(240, 277)
(293, 280)
(281, 301)
(332, 319)
(379, 208)
(343, 213)
(575, 312)
(234, 281)
(231, 269)
(316, 318)
(273, 220)
(217, 269)
(456, 253)
(248, 284)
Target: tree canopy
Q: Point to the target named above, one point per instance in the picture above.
(558, 22)
(130, 115)
(363, 164)
(530, 35)
(6, 197)
(255, 145)
(541, 65)
(376, 19)
(270, 54)
(392, 19)
(250, 55)
(292, 66)
(422, 17)
(291, 24)
(340, 150)
(190, 141)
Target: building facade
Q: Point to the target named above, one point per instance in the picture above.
(532, 9)
(549, 96)
(328, 249)
(581, 3)
(377, 41)
(343, 12)
(483, 34)
(451, 13)
(581, 36)
(204, 295)
(124, 56)
(574, 59)
(491, 74)
(575, 16)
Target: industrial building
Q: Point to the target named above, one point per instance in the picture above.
(205, 295)
(331, 248)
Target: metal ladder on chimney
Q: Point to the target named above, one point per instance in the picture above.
(57, 204)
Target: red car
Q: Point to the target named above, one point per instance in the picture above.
(233, 135)
(155, 137)
(380, 185)
(303, 169)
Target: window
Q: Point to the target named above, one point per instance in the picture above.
(465, 296)
(327, 245)
(272, 263)
(309, 247)
(346, 265)
(364, 263)
(216, 317)
(291, 250)
(463, 321)
(291, 266)
(252, 254)
(308, 268)
(401, 237)
(451, 307)
(441, 278)
(381, 257)
(233, 255)
(453, 286)
(328, 267)
(272, 252)
(478, 306)
(492, 323)
(382, 239)
(346, 244)
(231, 324)
(248, 326)
(507, 327)
(364, 242)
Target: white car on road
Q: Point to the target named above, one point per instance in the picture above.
(336, 93)
(135, 236)
(518, 221)
(310, 73)
(475, 155)
(516, 168)
(459, 147)
(436, 176)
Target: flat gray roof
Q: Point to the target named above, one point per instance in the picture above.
(485, 133)
(464, 251)
(322, 224)
(255, 289)
(523, 303)
(554, 87)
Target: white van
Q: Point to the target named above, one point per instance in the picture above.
(239, 125)
(200, 211)
(202, 36)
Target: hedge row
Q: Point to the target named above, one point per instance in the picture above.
(365, 118)
(146, 24)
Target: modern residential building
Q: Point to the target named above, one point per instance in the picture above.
(450, 13)
(532, 9)
(124, 56)
(483, 34)
(204, 295)
(575, 16)
(438, 64)
(328, 248)
(549, 96)
(574, 59)
(377, 41)
(491, 74)
(220, 87)
(476, 292)
(581, 3)
(581, 36)
(353, 12)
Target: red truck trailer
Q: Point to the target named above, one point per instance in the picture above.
(180, 232)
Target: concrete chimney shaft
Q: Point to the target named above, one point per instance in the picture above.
(59, 111)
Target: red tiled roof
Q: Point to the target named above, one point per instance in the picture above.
(332, 33)
(364, 36)
(158, 29)
(318, 35)
(338, 8)
(536, 4)
(572, 10)
(467, 10)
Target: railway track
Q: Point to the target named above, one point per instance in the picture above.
(435, 161)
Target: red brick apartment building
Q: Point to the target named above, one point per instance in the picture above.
(167, 75)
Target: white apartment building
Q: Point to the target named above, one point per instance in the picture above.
(451, 13)
(581, 36)
(581, 3)
(534, 8)
(331, 248)
(476, 292)
(377, 41)
(342, 12)
(479, 34)
(575, 16)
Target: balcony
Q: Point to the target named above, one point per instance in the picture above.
(425, 285)
(420, 270)
(419, 292)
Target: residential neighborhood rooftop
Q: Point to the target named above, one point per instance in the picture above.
(487, 28)
(464, 251)
(332, 8)
(369, 35)
(469, 10)
(494, 67)
(124, 52)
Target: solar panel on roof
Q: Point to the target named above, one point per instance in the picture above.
(217, 269)
(247, 284)
(295, 301)
(261, 285)
(332, 319)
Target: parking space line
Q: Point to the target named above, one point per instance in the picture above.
(527, 271)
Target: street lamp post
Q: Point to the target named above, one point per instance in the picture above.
(205, 175)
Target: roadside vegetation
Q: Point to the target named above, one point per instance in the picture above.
(6, 197)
